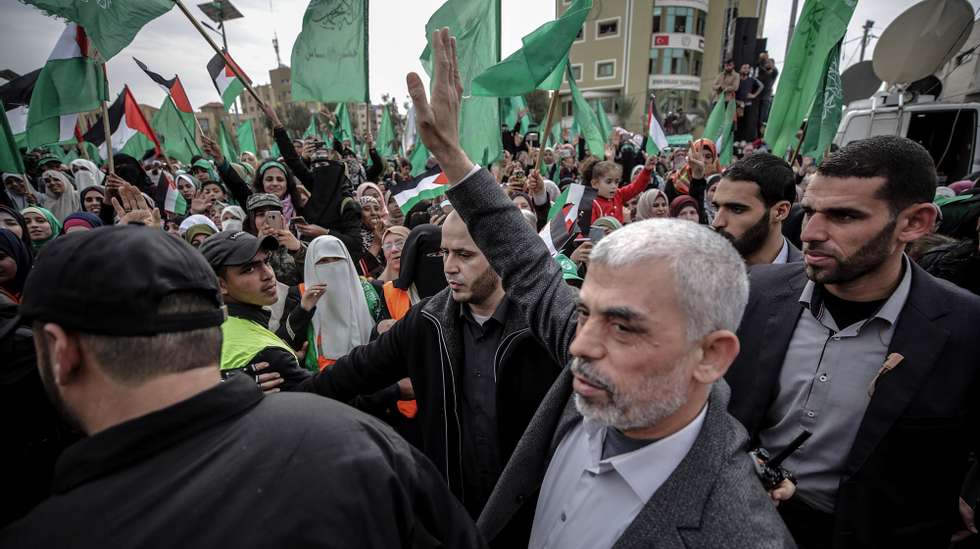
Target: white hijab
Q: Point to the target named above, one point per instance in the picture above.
(89, 175)
(341, 320)
(64, 204)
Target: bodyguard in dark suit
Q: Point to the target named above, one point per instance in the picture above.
(645, 453)
(870, 353)
(753, 199)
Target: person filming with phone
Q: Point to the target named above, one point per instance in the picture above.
(265, 218)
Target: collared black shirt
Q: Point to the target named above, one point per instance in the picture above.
(229, 467)
(481, 449)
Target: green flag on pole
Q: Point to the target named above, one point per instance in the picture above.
(476, 26)
(586, 119)
(386, 135)
(826, 112)
(176, 139)
(821, 26)
(227, 144)
(246, 137)
(330, 55)
(311, 130)
(418, 158)
(512, 106)
(712, 128)
(604, 124)
(344, 131)
(110, 25)
(10, 159)
(720, 129)
(544, 50)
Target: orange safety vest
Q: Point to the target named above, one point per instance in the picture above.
(399, 302)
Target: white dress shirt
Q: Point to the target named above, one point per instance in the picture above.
(783, 254)
(587, 501)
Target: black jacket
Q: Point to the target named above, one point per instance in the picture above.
(427, 346)
(230, 467)
(279, 359)
(904, 471)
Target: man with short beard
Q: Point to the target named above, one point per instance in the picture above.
(752, 199)
(644, 454)
(477, 373)
(871, 354)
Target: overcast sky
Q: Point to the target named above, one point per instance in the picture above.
(170, 44)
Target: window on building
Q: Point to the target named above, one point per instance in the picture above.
(566, 108)
(577, 72)
(581, 34)
(654, 61)
(657, 13)
(700, 21)
(205, 124)
(605, 69)
(285, 81)
(679, 62)
(607, 28)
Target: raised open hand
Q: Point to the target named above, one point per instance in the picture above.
(695, 161)
(438, 121)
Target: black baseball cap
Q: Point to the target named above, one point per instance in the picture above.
(234, 248)
(110, 281)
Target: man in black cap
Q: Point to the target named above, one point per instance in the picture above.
(248, 284)
(174, 457)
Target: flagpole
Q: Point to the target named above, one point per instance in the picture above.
(106, 130)
(234, 68)
(547, 128)
(799, 144)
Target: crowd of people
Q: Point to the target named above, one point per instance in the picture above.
(168, 334)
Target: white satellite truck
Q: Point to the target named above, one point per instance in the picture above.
(911, 51)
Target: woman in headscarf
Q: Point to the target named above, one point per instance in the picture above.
(374, 191)
(197, 234)
(21, 193)
(702, 151)
(372, 261)
(707, 205)
(274, 177)
(420, 271)
(92, 199)
(266, 217)
(42, 226)
(608, 224)
(80, 221)
(232, 218)
(196, 219)
(60, 196)
(86, 173)
(15, 264)
(652, 204)
(14, 222)
(187, 186)
(392, 244)
(395, 214)
(342, 319)
(685, 207)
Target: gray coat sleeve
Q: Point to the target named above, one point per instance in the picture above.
(530, 276)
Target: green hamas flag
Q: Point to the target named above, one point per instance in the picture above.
(476, 26)
(544, 50)
(418, 158)
(330, 56)
(344, 130)
(110, 25)
(386, 135)
(10, 159)
(176, 139)
(512, 106)
(825, 114)
(586, 119)
(820, 28)
(246, 137)
(712, 128)
(311, 128)
(604, 124)
(227, 144)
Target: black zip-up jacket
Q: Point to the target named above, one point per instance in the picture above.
(427, 346)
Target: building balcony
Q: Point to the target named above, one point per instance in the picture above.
(677, 40)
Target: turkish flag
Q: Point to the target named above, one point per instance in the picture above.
(662, 40)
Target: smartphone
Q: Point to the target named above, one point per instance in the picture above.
(596, 234)
(274, 219)
(297, 220)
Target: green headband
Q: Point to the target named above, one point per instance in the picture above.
(271, 164)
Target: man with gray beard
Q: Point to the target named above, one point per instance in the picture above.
(644, 454)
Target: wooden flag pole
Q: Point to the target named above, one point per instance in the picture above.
(799, 143)
(108, 138)
(552, 107)
(234, 68)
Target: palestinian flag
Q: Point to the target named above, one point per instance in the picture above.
(173, 87)
(425, 186)
(656, 138)
(131, 133)
(71, 82)
(16, 97)
(174, 203)
(228, 85)
(569, 215)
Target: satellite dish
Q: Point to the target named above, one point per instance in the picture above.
(929, 85)
(922, 39)
(859, 82)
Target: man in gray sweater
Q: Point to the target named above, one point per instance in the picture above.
(644, 454)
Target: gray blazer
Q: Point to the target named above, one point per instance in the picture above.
(713, 498)
(794, 254)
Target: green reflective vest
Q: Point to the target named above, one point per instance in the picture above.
(243, 339)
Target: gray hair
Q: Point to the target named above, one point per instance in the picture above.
(709, 275)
